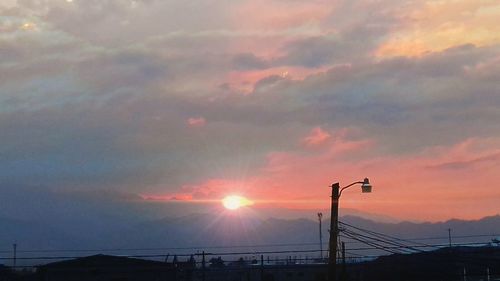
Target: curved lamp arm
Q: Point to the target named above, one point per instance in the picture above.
(365, 182)
(347, 186)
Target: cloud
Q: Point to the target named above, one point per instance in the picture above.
(316, 137)
(492, 158)
(100, 94)
(196, 121)
(249, 61)
(470, 154)
(120, 118)
(435, 26)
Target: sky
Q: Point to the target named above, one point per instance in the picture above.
(180, 102)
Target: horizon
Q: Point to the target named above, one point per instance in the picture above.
(224, 235)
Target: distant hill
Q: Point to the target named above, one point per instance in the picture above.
(32, 235)
(435, 233)
(199, 232)
(205, 228)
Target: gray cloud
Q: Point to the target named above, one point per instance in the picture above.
(137, 137)
(248, 61)
(457, 165)
(100, 94)
(360, 27)
(105, 22)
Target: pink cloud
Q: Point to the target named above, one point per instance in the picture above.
(316, 137)
(176, 197)
(341, 142)
(197, 122)
(270, 15)
(244, 81)
(411, 186)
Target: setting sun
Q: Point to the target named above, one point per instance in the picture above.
(233, 202)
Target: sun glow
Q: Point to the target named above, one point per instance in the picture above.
(234, 202)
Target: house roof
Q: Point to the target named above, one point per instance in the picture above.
(105, 260)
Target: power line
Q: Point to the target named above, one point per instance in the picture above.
(376, 239)
(419, 246)
(380, 235)
(390, 240)
(373, 247)
(229, 246)
(180, 255)
(163, 248)
(458, 236)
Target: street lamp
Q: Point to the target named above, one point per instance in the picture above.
(366, 187)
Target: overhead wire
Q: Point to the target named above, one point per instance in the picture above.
(414, 240)
(381, 235)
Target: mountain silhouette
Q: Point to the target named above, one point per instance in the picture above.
(245, 233)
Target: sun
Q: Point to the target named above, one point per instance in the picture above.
(234, 202)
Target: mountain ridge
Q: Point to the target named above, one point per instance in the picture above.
(199, 231)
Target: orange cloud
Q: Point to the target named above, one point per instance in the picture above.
(438, 25)
(423, 186)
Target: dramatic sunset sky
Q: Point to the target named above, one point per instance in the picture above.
(187, 101)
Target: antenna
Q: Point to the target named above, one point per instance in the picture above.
(15, 256)
(320, 217)
(449, 237)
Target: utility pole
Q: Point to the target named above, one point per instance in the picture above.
(366, 187)
(344, 270)
(334, 228)
(320, 217)
(262, 267)
(14, 260)
(449, 237)
(203, 266)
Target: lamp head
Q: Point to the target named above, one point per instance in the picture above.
(366, 187)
